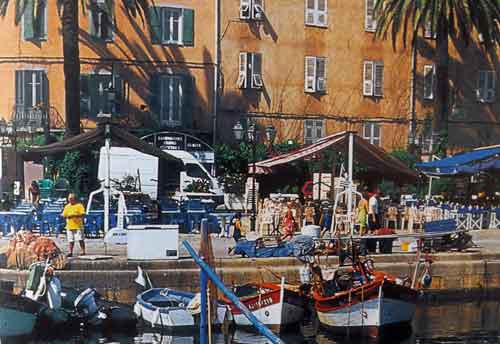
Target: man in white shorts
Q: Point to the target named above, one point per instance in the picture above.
(73, 213)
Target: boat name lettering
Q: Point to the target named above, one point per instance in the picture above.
(260, 303)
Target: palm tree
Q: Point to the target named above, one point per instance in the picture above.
(69, 15)
(445, 19)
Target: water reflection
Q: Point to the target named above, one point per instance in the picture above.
(454, 323)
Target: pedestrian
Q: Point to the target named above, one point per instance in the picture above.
(34, 193)
(73, 213)
(373, 220)
(362, 213)
(236, 223)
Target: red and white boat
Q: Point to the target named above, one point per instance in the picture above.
(276, 306)
(375, 302)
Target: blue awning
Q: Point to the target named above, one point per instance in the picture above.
(480, 159)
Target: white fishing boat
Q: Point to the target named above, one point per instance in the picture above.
(173, 309)
(18, 315)
(275, 305)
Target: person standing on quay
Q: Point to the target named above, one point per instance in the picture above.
(73, 213)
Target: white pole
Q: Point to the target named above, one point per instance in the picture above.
(107, 180)
(429, 193)
(349, 187)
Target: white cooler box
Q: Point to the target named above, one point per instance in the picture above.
(152, 242)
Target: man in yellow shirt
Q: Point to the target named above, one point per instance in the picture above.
(73, 213)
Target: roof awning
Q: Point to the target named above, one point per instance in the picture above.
(375, 159)
(95, 138)
(480, 159)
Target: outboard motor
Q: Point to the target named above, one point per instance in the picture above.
(85, 303)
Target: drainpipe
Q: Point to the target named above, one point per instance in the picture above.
(216, 71)
(413, 97)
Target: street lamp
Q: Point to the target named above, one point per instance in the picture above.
(252, 138)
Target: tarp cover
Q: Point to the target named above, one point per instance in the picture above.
(480, 159)
(94, 139)
(373, 158)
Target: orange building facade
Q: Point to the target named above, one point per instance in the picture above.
(160, 65)
(313, 67)
(308, 67)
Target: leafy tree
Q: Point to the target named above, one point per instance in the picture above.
(446, 19)
(69, 16)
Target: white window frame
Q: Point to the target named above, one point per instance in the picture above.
(486, 92)
(98, 29)
(429, 90)
(316, 14)
(248, 77)
(370, 21)
(180, 25)
(252, 9)
(373, 85)
(314, 125)
(170, 121)
(370, 137)
(45, 23)
(33, 85)
(312, 81)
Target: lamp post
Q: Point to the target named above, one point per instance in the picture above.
(252, 138)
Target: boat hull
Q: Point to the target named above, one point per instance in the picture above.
(18, 315)
(393, 307)
(270, 310)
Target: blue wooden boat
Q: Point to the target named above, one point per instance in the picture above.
(173, 309)
(18, 315)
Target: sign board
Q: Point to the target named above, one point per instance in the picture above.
(168, 140)
(322, 187)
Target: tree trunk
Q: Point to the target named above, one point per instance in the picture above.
(443, 89)
(71, 53)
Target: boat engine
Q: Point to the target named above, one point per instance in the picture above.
(85, 303)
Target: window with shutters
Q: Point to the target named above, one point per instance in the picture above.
(429, 81)
(31, 89)
(313, 130)
(370, 21)
(101, 19)
(252, 9)
(95, 94)
(250, 70)
(486, 84)
(373, 78)
(316, 12)
(171, 25)
(371, 132)
(171, 102)
(315, 74)
(34, 20)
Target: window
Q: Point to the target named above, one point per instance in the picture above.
(95, 94)
(373, 78)
(371, 133)
(429, 81)
(171, 99)
(485, 91)
(250, 70)
(370, 21)
(34, 20)
(101, 19)
(316, 12)
(31, 89)
(171, 25)
(313, 130)
(252, 9)
(315, 74)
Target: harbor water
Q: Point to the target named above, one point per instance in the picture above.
(471, 322)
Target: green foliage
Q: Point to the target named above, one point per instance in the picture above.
(74, 170)
(201, 185)
(408, 158)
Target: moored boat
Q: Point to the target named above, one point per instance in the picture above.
(173, 309)
(365, 302)
(18, 315)
(276, 306)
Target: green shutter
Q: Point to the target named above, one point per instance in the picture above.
(188, 27)
(93, 87)
(19, 88)
(119, 96)
(187, 101)
(154, 96)
(29, 20)
(84, 95)
(155, 24)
